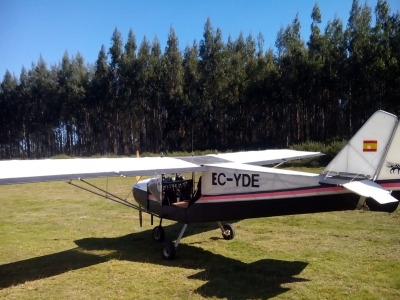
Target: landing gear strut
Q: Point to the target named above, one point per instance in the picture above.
(169, 248)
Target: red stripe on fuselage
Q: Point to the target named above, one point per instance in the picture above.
(274, 194)
(390, 185)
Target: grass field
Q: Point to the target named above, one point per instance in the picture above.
(58, 242)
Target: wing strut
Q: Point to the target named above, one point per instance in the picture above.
(99, 192)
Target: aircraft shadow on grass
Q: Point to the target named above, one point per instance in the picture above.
(225, 277)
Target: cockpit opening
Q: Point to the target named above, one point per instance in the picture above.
(174, 189)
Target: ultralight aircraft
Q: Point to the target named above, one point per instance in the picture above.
(233, 186)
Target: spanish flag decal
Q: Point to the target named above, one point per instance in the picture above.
(370, 146)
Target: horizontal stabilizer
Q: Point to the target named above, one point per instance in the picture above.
(370, 189)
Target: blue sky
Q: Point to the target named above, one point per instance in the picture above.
(30, 28)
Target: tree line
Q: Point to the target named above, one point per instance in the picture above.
(212, 95)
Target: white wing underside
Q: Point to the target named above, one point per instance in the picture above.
(24, 171)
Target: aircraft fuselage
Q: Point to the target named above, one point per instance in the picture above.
(234, 194)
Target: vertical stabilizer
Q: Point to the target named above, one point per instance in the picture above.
(364, 152)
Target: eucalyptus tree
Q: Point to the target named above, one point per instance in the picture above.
(115, 78)
(360, 58)
(385, 59)
(241, 105)
(9, 124)
(317, 101)
(80, 84)
(25, 111)
(394, 64)
(334, 74)
(177, 129)
(99, 100)
(213, 84)
(265, 89)
(380, 37)
(142, 79)
(260, 98)
(72, 92)
(235, 108)
(155, 97)
(128, 92)
(291, 62)
(192, 94)
(65, 133)
(45, 108)
(255, 125)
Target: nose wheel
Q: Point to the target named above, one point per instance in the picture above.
(168, 250)
(158, 234)
(228, 231)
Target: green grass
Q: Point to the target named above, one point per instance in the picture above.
(58, 242)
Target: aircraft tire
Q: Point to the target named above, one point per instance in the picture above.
(228, 228)
(168, 250)
(158, 234)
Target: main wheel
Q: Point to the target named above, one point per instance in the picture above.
(229, 232)
(168, 250)
(158, 234)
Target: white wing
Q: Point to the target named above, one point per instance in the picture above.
(23, 171)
